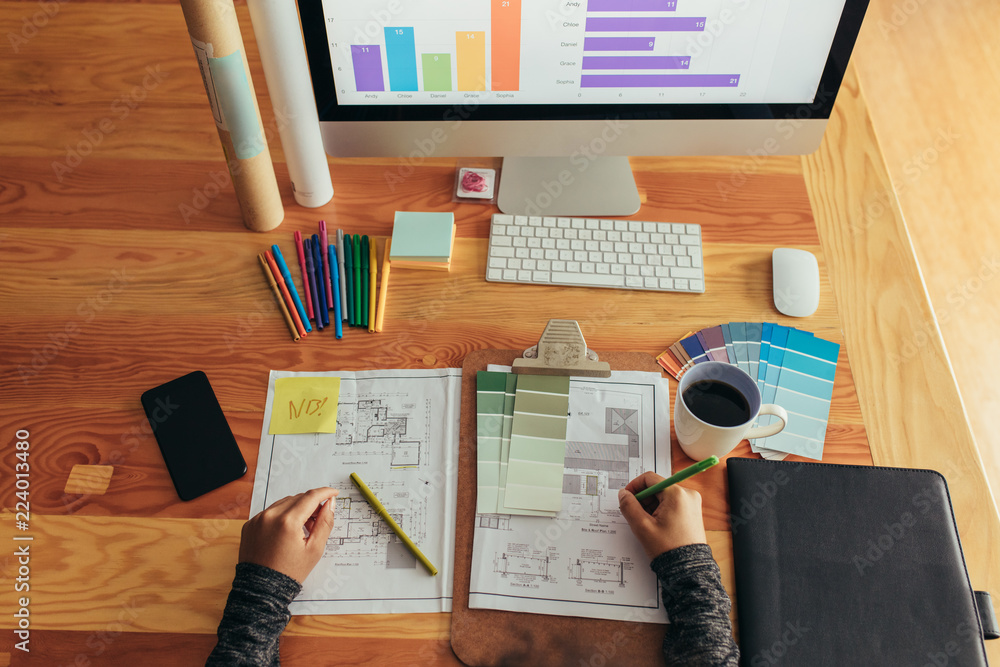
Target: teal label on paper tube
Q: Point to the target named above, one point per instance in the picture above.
(237, 105)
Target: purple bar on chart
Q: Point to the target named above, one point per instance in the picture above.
(636, 62)
(367, 62)
(618, 43)
(659, 80)
(631, 5)
(647, 24)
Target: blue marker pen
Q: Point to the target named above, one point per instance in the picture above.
(335, 289)
(321, 283)
(291, 286)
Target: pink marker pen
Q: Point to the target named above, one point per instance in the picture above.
(327, 283)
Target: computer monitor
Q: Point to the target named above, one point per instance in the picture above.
(565, 90)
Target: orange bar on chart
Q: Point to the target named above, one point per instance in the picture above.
(505, 47)
(470, 50)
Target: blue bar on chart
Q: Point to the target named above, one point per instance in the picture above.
(401, 57)
(646, 24)
(659, 80)
(367, 61)
(618, 43)
(636, 62)
(631, 5)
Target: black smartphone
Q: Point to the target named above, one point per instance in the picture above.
(194, 437)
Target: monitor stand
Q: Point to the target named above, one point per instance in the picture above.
(579, 186)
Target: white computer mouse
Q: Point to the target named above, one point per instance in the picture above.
(796, 281)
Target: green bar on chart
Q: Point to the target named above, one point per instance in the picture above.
(437, 71)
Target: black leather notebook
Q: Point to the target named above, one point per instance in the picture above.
(849, 565)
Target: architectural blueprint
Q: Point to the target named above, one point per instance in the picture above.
(585, 561)
(399, 431)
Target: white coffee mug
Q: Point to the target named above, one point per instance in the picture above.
(699, 438)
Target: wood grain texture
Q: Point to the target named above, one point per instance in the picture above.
(89, 480)
(912, 408)
(942, 163)
(124, 263)
(91, 572)
(113, 645)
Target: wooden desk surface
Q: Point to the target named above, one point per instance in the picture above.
(108, 289)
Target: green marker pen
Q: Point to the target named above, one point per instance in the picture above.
(690, 471)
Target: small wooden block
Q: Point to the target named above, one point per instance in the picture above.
(89, 479)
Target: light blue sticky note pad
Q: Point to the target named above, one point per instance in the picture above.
(804, 389)
(423, 236)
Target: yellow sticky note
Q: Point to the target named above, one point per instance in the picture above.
(305, 405)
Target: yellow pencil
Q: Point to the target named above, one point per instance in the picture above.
(373, 273)
(383, 289)
(381, 511)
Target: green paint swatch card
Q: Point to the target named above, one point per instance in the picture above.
(490, 388)
(508, 420)
(538, 443)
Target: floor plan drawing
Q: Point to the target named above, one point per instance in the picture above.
(359, 532)
(398, 430)
(583, 561)
(375, 427)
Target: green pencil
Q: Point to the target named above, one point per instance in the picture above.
(690, 471)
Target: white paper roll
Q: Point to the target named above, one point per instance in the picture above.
(282, 53)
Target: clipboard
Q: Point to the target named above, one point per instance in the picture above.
(488, 637)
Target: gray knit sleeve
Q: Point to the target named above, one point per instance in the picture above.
(256, 613)
(700, 632)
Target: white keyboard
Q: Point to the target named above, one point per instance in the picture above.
(593, 252)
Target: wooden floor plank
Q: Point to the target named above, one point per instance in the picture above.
(940, 58)
(89, 571)
(116, 645)
(906, 405)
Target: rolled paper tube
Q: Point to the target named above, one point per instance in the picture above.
(218, 45)
(283, 57)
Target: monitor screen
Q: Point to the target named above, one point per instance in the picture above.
(582, 80)
(506, 52)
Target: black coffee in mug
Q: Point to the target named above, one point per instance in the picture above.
(717, 403)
